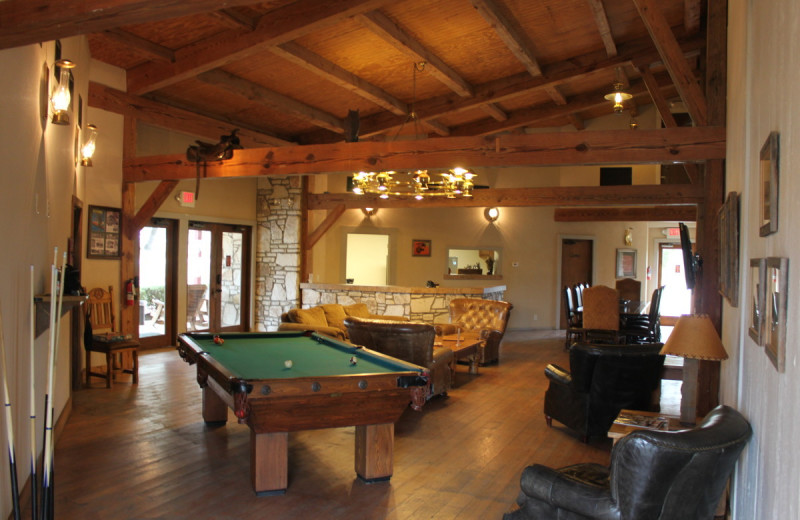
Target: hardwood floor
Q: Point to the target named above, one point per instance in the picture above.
(143, 452)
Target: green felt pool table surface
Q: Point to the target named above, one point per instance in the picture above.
(260, 356)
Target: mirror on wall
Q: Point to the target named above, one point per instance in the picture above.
(473, 262)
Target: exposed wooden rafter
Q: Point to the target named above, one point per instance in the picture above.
(595, 147)
(153, 50)
(390, 32)
(159, 114)
(510, 32)
(630, 214)
(601, 20)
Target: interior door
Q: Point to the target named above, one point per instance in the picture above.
(576, 267)
(676, 298)
(218, 277)
(157, 251)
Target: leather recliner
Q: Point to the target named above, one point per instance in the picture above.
(409, 341)
(488, 318)
(654, 475)
(603, 379)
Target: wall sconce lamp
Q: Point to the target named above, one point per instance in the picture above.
(618, 96)
(61, 98)
(693, 338)
(369, 212)
(87, 151)
(491, 214)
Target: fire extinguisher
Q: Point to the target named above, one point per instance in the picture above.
(130, 290)
(648, 272)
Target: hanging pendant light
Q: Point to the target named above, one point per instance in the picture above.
(618, 96)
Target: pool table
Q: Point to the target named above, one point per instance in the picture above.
(329, 384)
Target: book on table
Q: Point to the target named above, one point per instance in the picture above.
(651, 422)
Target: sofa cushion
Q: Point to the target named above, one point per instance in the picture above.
(334, 314)
(312, 316)
(358, 310)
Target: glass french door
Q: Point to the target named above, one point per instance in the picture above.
(157, 283)
(217, 277)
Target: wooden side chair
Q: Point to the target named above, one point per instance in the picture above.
(196, 307)
(629, 289)
(100, 336)
(601, 314)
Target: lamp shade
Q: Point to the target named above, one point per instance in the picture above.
(695, 337)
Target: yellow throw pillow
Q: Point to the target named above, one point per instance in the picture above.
(335, 315)
(313, 316)
(359, 310)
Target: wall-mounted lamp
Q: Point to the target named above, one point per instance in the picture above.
(369, 212)
(618, 96)
(61, 97)
(491, 214)
(87, 151)
(628, 237)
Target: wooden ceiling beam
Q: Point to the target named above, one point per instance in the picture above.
(389, 31)
(234, 19)
(165, 116)
(24, 22)
(275, 100)
(555, 94)
(687, 213)
(576, 121)
(601, 20)
(312, 62)
(279, 26)
(671, 194)
(437, 127)
(507, 28)
(494, 110)
(692, 14)
(558, 148)
(664, 39)
(520, 84)
(153, 50)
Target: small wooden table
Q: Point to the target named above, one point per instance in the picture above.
(618, 431)
(464, 346)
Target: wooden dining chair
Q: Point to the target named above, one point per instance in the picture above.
(601, 314)
(101, 336)
(629, 289)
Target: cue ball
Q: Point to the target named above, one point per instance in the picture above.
(288, 363)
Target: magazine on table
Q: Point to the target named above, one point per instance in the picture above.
(650, 422)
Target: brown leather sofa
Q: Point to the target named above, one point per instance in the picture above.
(410, 341)
(485, 317)
(328, 318)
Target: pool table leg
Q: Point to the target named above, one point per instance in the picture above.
(374, 451)
(215, 411)
(269, 462)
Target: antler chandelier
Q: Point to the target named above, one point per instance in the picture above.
(457, 182)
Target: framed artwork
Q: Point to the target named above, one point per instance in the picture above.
(420, 247)
(768, 180)
(729, 249)
(758, 284)
(104, 232)
(775, 315)
(626, 263)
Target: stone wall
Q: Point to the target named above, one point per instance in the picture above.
(278, 252)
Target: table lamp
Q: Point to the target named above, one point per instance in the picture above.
(693, 338)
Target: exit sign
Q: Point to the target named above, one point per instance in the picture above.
(186, 199)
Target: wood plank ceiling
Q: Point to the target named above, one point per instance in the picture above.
(288, 72)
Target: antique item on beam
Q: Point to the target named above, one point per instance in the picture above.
(204, 152)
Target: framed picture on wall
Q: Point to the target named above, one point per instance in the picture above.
(626, 263)
(768, 179)
(758, 279)
(775, 315)
(104, 232)
(729, 249)
(420, 247)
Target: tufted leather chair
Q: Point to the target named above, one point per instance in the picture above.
(406, 340)
(603, 379)
(485, 317)
(654, 475)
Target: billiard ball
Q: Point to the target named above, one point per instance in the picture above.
(218, 340)
(353, 360)
(288, 363)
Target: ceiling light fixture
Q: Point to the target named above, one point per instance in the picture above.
(61, 97)
(618, 96)
(454, 183)
(491, 214)
(87, 151)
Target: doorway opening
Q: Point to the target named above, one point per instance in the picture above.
(157, 252)
(676, 298)
(367, 260)
(577, 264)
(218, 277)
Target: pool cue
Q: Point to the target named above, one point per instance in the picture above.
(47, 470)
(12, 463)
(51, 390)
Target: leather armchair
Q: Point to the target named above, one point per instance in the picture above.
(488, 318)
(653, 474)
(409, 341)
(602, 380)
(328, 318)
